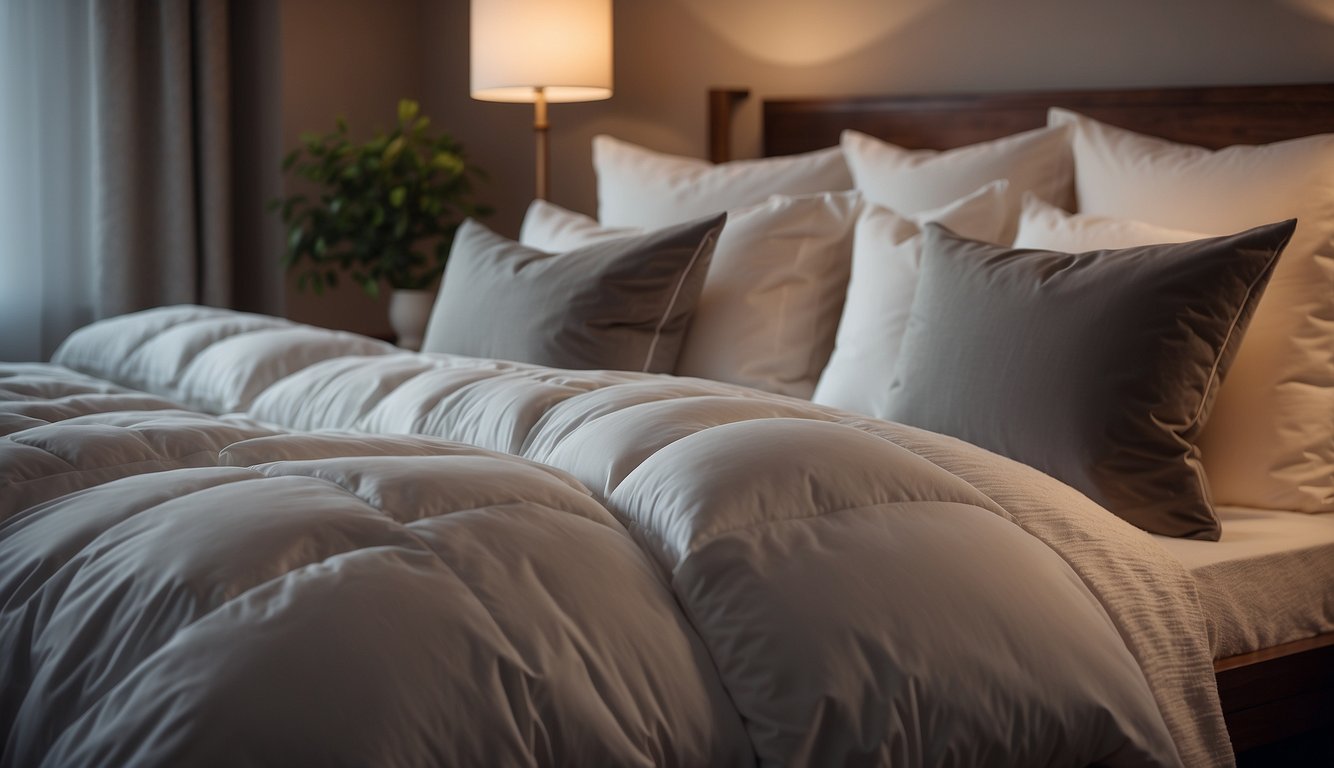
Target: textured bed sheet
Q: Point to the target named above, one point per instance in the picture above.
(1270, 580)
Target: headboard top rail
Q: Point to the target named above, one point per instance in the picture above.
(1213, 116)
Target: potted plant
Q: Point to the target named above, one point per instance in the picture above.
(385, 213)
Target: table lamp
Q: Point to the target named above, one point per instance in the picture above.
(541, 51)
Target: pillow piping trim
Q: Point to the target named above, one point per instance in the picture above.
(1232, 329)
(708, 241)
(1197, 466)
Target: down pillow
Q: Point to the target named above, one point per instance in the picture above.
(914, 181)
(886, 257)
(553, 228)
(621, 305)
(1097, 368)
(638, 187)
(1270, 442)
(770, 305)
(1052, 229)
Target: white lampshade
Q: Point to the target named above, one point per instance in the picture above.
(561, 46)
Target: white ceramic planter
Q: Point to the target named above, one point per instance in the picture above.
(408, 312)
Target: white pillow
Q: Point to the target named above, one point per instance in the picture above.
(771, 301)
(553, 228)
(914, 181)
(1048, 228)
(886, 257)
(1270, 440)
(638, 187)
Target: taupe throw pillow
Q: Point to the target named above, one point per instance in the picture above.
(1097, 368)
(623, 304)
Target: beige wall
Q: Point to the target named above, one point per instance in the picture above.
(360, 55)
(352, 59)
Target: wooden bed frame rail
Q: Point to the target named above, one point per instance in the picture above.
(1210, 116)
(1278, 692)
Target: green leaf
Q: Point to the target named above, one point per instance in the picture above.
(407, 109)
(448, 162)
(384, 210)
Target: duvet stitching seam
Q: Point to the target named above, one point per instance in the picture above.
(695, 546)
(59, 598)
(182, 457)
(256, 475)
(1140, 654)
(156, 333)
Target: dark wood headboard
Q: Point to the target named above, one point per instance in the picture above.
(1209, 116)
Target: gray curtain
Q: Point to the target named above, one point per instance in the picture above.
(139, 140)
(174, 99)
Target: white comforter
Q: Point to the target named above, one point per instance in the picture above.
(395, 559)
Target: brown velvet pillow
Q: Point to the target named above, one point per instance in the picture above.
(623, 304)
(1097, 368)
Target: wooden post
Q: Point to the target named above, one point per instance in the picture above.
(540, 126)
(722, 102)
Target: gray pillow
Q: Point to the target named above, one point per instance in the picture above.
(624, 304)
(1097, 368)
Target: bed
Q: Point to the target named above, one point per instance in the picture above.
(229, 538)
(1269, 691)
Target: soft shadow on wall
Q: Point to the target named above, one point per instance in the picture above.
(1320, 10)
(668, 52)
(353, 59)
(357, 57)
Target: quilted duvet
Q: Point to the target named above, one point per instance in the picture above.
(230, 540)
